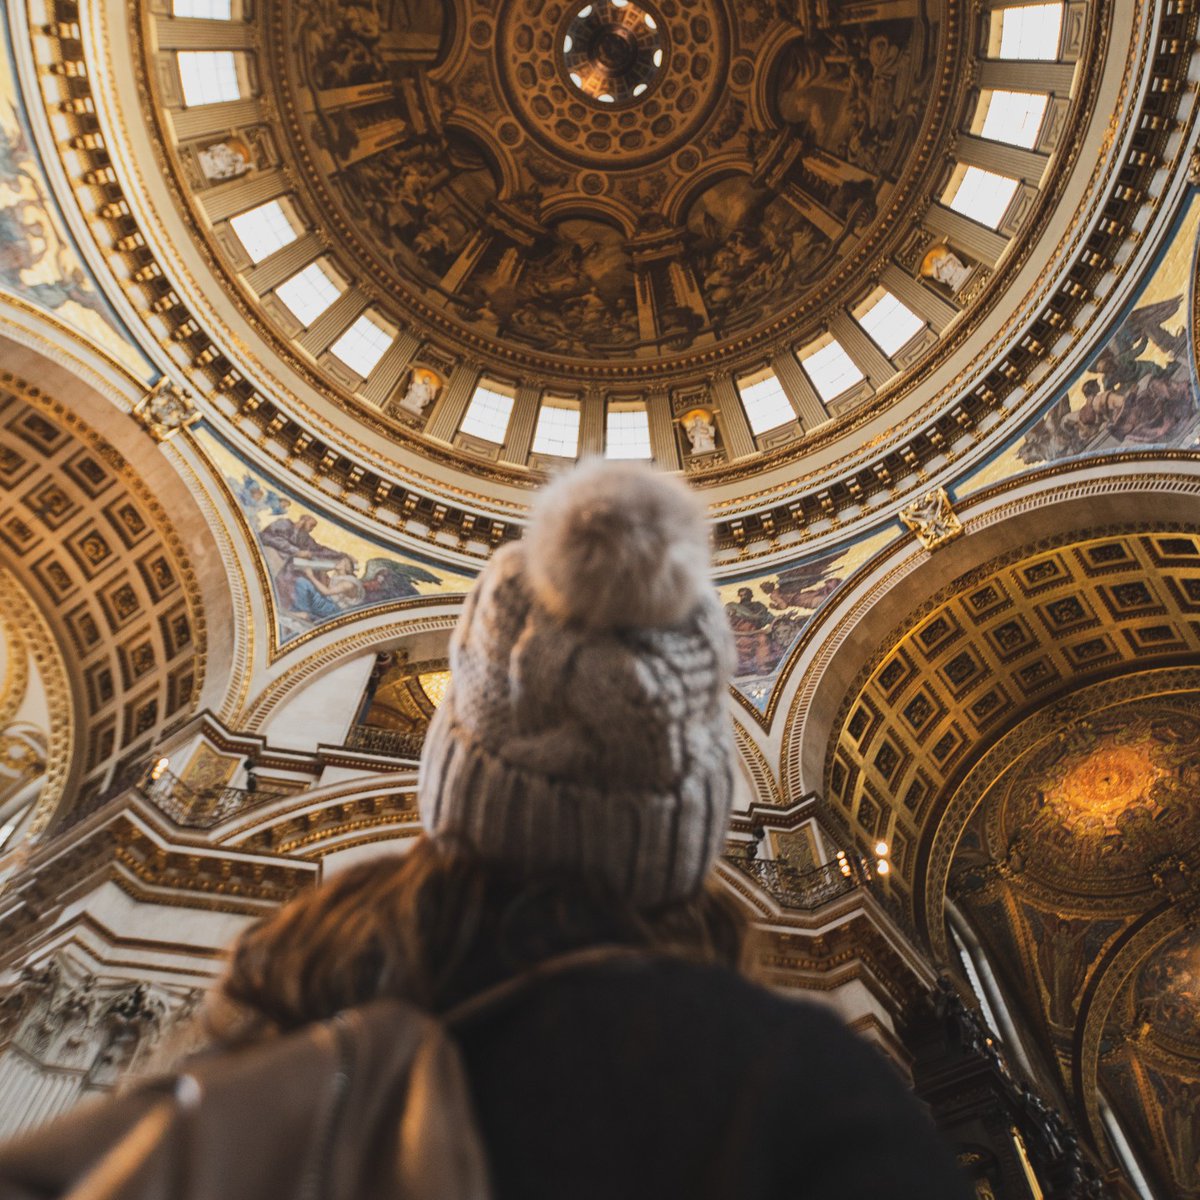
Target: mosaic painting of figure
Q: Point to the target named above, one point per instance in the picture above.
(37, 259)
(575, 288)
(858, 90)
(769, 611)
(319, 570)
(1140, 391)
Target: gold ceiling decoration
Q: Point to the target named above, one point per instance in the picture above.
(451, 155)
(1076, 872)
(90, 541)
(994, 646)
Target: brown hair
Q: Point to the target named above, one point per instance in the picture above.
(433, 927)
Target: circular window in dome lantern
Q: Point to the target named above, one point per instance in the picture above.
(612, 50)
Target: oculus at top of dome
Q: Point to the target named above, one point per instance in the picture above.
(612, 50)
(498, 200)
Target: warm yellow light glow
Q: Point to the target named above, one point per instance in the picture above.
(882, 866)
(881, 848)
(434, 685)
(159, 767)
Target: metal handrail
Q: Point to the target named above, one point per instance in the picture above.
(801, 889)
(199, 808)
(375, 739)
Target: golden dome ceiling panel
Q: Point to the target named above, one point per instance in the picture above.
(993, 647)
(1076, 872)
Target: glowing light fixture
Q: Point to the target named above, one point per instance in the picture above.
(881, 848)
(568, 42)
(658, 58)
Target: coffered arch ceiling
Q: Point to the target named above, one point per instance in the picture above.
(981, 655)
(1076, 871)
(114, 578)
(477, 216)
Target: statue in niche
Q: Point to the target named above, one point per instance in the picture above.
(230, 159)
(422, 391)
(944, 266)
(701, 432)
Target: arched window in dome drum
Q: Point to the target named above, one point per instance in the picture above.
(766, 403)
(363, 344)
(209, 10)
(627, 432)
(981, 195)
(1027, 31)
(829, 368)
(887, 321)
(209, 76)
(557, 431)
(489, 412)
(264, 229)
(309, 293)
(1011, 117)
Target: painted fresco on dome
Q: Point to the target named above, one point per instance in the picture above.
(769, 610)
(320, 570)
(1140, 390)
(38, 261)
(1168, 988)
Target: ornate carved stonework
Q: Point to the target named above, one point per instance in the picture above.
(164, 411)
(516, 206)
(933, 519)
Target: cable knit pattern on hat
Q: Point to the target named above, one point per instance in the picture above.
(585, 727)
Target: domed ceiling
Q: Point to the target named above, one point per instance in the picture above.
(605, 185)
(728, 233)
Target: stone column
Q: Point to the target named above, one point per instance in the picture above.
(731, 418)
(592, 411)
(283, 264)
(865, 354)
(333, 322)
(809, 406)
(522, 425)
(664, 445)
(977, 240)
(450, 406)
(216, 118)
(1014, 161)
(391, 366)
(226, 200)
(919, 297)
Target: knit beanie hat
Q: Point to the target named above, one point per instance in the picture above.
(585, 727)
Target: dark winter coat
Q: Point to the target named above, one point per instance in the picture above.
(624, 1078)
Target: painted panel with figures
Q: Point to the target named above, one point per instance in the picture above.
(319, 570)
(1139, 391)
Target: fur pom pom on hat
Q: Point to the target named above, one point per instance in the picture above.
(585, 727)
(618, 546)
